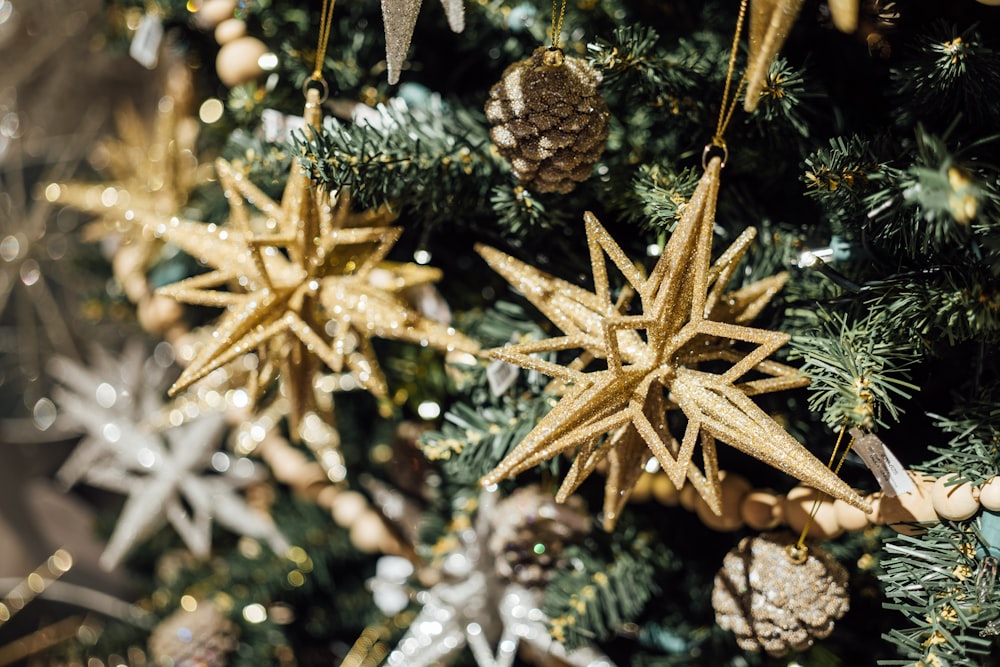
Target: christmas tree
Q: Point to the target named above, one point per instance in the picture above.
(500, 333)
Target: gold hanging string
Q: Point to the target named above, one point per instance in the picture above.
(558, 14)
(800, 550)
(325, 25)
(728, 104)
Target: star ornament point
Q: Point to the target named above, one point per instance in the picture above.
(655, 362)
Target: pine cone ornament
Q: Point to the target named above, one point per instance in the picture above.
(530, 532)
(200, 638)
(773, 603)
(549, 120)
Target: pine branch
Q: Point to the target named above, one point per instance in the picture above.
(949, 73)
(597, 596)
(973, 453)
(856, 373)
(839, 177)
(429, 161)
(930, 581)
(953, 304)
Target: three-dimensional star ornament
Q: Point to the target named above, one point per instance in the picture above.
(652, 366)
(311, 280)
(150, 169)
(170, 474)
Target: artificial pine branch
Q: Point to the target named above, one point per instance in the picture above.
(857, 375)
(429, 161)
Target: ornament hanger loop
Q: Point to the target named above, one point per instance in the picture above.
(719, 150)
(801, 544)
(797, 553)
(316, 78)
(316, 84)
(727, 105)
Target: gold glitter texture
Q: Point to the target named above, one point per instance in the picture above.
(400, 17)
(151, 169)
(774, 604)
(770, 21)
(652, 364)
(311, 286)
(549, 120)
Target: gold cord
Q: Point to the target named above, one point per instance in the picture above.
(728, 106)
(823, 496)
(325, 24)
(558, 14)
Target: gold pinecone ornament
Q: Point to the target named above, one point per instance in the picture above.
(549, 120)
(775, 602)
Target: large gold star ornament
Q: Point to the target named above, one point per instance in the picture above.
(653, 363)
(302, 283)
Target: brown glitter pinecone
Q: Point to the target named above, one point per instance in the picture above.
(200, 638)
(772, 603)
(530, 532)
(549, 120)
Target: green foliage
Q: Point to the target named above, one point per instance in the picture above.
(598, 594)
(942, 615)
(857, 373)
(973, 452)
(477, 434)
(428, 162)
(951, 304)
(948, 73)
(663, 193)
(840, 176)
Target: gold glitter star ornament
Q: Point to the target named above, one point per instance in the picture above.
(652, 365)
(304, 281)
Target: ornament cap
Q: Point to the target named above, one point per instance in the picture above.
(553, 57)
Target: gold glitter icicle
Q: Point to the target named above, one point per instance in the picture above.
(770, 21)
(686, 320)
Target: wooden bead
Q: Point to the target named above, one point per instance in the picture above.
(849, 517)
(956, 502)
(989, 494)
(214, 12)
(734, 488)
(157, 313)
(664, 490)
(237, 61)
(913, 507)
(798, 504)
(642, 492)
(761, 509)
(368, 533)
(327, 496)
(687, 496)
(347, 507)
(229, 30)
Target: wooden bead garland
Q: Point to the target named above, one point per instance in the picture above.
(762, 509)
(238, 60)
(367, 528)
(953, 501)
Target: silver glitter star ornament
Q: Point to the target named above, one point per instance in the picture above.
(400, 17)
(163, 471)
(652, 366)
(474, 607)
